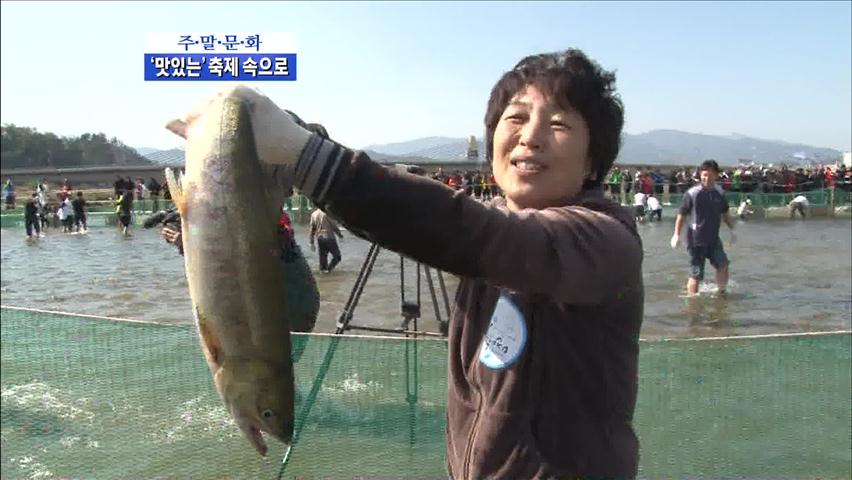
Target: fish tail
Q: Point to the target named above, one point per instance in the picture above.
(176, 190)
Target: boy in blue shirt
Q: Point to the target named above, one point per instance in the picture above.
(706, 207)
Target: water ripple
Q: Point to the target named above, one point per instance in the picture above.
(785, 276)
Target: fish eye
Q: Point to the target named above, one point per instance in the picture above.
(267, 413)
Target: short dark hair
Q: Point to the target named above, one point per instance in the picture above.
(709, 165)
(575, 81)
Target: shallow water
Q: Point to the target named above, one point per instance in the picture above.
(786, 276)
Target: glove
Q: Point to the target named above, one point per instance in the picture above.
(733, 238)
(279, 136)
(675, 240)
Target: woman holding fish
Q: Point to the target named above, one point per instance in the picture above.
(543, 342)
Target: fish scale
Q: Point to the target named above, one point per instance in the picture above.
(229, 209)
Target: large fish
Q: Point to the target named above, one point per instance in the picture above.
(229, 204)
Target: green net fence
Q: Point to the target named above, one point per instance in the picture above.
(89, 398)
(820, 198)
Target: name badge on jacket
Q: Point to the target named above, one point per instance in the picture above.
(506, 337)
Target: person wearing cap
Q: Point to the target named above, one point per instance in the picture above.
(706, 207)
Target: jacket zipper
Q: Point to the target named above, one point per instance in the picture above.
(471, 439)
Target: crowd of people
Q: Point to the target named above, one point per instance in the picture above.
(475, 183)
(126, 191)
(750, 178)
(645, 185)
(67, 211)
(142, 190)
(746, 179)
(70, 211)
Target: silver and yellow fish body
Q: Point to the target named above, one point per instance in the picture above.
(229, 206)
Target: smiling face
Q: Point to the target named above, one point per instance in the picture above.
(540, 151)
(708, 178)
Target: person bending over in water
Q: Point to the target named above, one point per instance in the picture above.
(744, 211)
(799, 204)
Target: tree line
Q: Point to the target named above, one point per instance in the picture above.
(24, 147)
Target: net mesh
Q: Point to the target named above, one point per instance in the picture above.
(89, 398)
(819, 197)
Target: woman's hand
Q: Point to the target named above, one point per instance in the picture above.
(172, 235)
(279, 138)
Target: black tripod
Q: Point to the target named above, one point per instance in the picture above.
(410, 313)
(409, 310)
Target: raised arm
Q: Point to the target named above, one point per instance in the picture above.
(573, 253)
(579, 253)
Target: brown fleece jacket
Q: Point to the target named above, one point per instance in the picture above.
(544, 336)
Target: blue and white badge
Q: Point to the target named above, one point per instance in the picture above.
(506, 337)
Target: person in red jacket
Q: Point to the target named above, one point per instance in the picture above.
(829, 177)
(647, 184)
(544, 337)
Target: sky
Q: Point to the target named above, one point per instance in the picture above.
(384, 72)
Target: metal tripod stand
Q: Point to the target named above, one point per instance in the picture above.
(410, 314)
(410, 310)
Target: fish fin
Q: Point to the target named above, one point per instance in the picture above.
(208, 339)
(178, 127)
(176, 190)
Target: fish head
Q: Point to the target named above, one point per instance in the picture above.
(260, 401)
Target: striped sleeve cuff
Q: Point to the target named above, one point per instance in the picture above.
(320, 162)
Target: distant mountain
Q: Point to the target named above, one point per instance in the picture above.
(177, 157)
(408, 159)
(412, 146)
(434, 148)
(26, 148)
(145, 150)
(677, 147)
(173, 157)
(657, 147)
